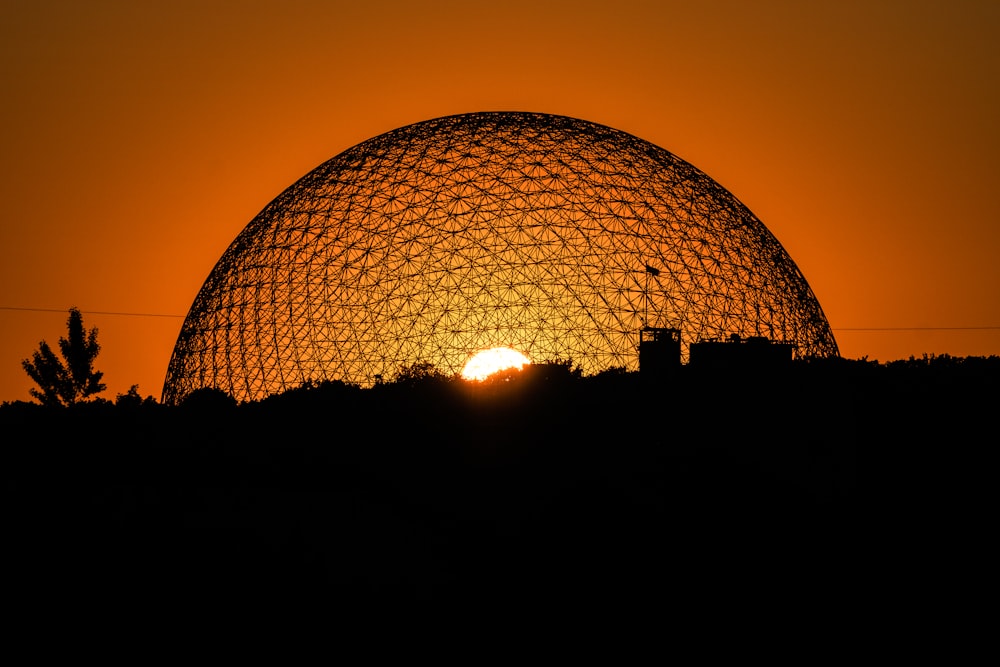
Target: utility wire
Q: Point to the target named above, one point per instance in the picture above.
(89, 312)
(917, 329)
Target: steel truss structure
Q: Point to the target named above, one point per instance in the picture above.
(554, 236)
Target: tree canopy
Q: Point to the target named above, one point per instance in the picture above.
(71, 379)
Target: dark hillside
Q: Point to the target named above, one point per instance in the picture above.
(557, 490)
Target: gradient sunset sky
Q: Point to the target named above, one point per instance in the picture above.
(139, 138)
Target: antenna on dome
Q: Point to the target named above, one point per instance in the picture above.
(650, 271)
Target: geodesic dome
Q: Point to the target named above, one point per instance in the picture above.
(557, 237)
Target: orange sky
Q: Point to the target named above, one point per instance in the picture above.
(140, 137)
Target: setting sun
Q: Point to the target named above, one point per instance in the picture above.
(487, 362)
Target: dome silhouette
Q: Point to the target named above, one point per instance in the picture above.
(553, 236)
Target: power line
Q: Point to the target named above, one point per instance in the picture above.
(917, 329)
(89, 312)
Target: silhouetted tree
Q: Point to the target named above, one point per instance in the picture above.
(49, 373)
(71, 379)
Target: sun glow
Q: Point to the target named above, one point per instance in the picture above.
(487, 362)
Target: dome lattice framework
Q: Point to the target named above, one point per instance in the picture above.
(438, 239)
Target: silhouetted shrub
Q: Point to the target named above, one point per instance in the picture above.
(208, 399)
(132, 399)
(420, 372)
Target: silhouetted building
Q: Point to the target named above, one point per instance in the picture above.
(659, 351)
(738, 353)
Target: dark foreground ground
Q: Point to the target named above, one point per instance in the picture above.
(695, 494)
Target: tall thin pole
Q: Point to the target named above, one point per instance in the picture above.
(654, 272)
(645, 316)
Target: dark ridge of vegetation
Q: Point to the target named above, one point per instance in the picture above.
(542, 488)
